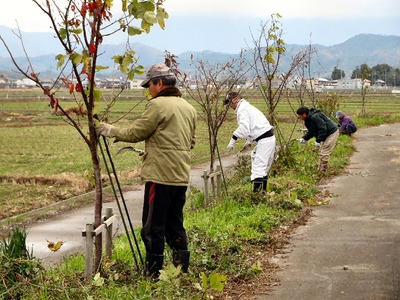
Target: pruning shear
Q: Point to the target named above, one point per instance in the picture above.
(130, 148)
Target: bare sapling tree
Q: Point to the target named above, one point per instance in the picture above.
(81, 27)
(208, 87)
(365, 83)
(301, 86)
(273, 79)
(276, 79)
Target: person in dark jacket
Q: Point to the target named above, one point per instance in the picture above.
(346, 124)
(323, 129)
(167, 126)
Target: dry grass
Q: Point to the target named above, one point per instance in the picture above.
(22, 194)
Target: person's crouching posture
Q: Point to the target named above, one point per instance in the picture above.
(323, 129)
(346, 124)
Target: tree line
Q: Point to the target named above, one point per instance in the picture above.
(379, 72)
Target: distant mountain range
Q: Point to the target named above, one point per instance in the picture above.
(368, 49)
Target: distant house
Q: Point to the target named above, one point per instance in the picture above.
(349, 84)
(110, 83)
(379, 83)
(258, 80)
(25, 83)
(317, 84)
(4, 84)
(135, 84)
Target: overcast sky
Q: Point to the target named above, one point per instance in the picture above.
(226, 25)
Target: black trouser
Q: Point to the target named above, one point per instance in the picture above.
(162, 217)
(350, 128)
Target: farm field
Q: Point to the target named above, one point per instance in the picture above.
(43, 160)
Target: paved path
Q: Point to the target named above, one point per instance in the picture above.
(350, 249)
(68, 227)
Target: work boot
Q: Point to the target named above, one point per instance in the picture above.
(265, 182)
(258, 185)
(154, 263)
(181, 258)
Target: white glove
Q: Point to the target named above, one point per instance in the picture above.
(231, 144)
(106, 130)
(317, 144)
(302, 141)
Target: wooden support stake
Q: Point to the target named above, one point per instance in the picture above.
(89, 251)
(90, 232)
(219, 181)
(109, 232)
(206, 192)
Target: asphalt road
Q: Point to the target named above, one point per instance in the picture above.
(350, 249)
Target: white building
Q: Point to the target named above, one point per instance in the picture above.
(25, 82)
(352, 84)
(135, 84)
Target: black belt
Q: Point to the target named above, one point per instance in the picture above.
(269, 133)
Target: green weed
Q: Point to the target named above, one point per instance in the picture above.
(17, 265)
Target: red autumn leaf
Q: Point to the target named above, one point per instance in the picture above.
(53, 102)
(92, 48)
(71, 88)
(78, 87)
(83, 10)
(66, 82)
(90, 7)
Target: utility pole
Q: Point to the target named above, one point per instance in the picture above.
(385, 75)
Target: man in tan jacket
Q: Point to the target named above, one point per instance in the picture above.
(167, 126)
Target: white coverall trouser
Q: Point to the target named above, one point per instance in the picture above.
(262, 157)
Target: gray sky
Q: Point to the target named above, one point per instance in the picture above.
(226, 25)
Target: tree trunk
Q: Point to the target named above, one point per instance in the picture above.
(98, 199)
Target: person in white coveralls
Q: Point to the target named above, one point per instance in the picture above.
(256, 129)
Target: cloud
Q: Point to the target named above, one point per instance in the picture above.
(308, 9)
(24, 14)
(31, 18)
(225, 25)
